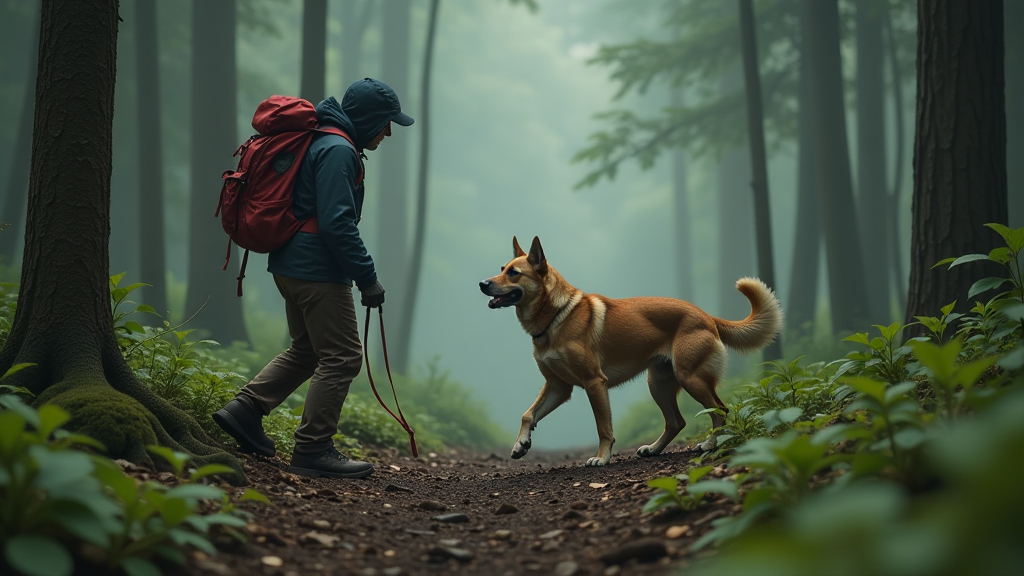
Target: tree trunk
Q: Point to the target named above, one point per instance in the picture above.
(17, 178)
(314, 49)
(125, 196)
(63, 322)
(681, 223)
(847, 286)
(355, 19)
(872, 197)
(214, 139)
(391, 256)
(755, 137)
(803, 284)
(896, 251)
(1014, 72)
(959, 150)
(151, 168)
(405, 332)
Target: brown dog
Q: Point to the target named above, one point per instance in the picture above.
(597, 343)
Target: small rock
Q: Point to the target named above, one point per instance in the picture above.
(506, 509)
(501, 534)
(272, 561)
(397, 488)
(415, 532)
(322, 524)
(325, 540)
(456, 518)
(445, 552)
(572, 515)
(566, 568)
(674, 532)
(643, 550)
(431, 505)
(550, 535)
(551, 546)
(450, 542)
(579, 505)
(598, 484)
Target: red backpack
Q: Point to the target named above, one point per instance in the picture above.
(255, 205)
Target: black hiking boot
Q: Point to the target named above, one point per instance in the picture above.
(245, 424)
(330, 463)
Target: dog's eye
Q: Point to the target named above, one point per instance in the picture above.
(512, 272)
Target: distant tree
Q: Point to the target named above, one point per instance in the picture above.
(314, 50)
(847, 287)
(355, 21)
(63, 323)
(151, 167)
(683, 220)
(959, 150)
(214, 139)
(1014, 72)
(17, 177)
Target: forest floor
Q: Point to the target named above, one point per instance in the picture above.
(467, 513)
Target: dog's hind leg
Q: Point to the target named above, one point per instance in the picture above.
(553, 394)
(661, 381)
(701, 384)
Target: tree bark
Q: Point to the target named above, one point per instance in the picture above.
(214, 139)
(314, 49)
(63, 323)
(151, 168)
(416, 263)
(17, 178)
(1014, 72)
(803, 284)
(872, 197)
(847, 286)
(392, 253)
(959, 150)
(755, 137)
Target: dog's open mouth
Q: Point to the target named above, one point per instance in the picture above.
(503, 300)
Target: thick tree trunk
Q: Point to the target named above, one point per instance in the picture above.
(872, 197)
(847, 286)
(416, 264)
(17, 178)
(214, 139)
(758, 161)
(1014, 72)
(151, 167)
(959, 150)
(63, 322)
(681, 223)
(392, 253)
(803, 284)
(314, 49)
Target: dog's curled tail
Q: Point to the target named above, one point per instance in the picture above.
(763, 323)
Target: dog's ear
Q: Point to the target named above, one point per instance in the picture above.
(536, 257)
(517, 251)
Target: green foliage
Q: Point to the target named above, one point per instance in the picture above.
(60, 506)
(884, 359)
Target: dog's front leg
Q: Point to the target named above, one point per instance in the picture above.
(552, 395)
(597, 392)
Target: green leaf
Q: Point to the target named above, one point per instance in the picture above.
(51, 417)
(134, 327)
(790, 415)
(1000, 255)
(12, 425)
(252, 494)
(174, 511)
(941, 360)
(116, 279)
(942, 262)
(16, 368)
(968, 258)
(948, 308)
(867, 386)
(80, 521)
(1014, 238)
(877, 344)
(210, 470)
(726, 487)
(147, 309)
(1014, 311)
(122, 486)
(666, 483)
(695, 474)
(135, 566)
(183, 537)
(195, 491)
(986, 284)
(177, 460)
(58, 469)
(37, 556)
(859, 337)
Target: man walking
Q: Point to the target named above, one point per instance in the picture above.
(314, 272)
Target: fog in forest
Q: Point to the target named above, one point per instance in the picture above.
(514, 97)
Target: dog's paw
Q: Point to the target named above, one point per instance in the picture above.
(647, 451)
(708, 445)
(596, 461)
(520, 449)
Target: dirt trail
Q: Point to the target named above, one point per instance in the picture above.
(463, 513)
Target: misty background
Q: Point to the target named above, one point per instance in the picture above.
(513, 100)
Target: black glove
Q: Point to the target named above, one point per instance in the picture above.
(372, 296)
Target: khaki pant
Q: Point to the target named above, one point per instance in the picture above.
(325, 347)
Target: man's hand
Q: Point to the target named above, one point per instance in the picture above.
(372, 296)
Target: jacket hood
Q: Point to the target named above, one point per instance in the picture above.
(329, 111)
(370, 104)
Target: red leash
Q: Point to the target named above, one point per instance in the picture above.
(384, 344)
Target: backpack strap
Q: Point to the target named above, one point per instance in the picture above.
(311, 225)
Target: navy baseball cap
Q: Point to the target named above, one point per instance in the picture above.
(383, 96)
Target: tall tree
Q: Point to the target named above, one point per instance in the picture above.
(151, 168)
(803, 279)
(392, 253)
(872, 194)
(314, 49)
(847, 288)
(759, 164)
(17, 178)
(355, 20)
(214, 138)
(959, 149)
(63, 323)
(683, 240)
(419, 239)
(1014, 72)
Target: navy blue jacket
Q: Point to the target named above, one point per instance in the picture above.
(326, 189)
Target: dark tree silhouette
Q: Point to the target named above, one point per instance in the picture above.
(63, 322)
(151, 167)
(214, 139)
(1014, 71)
(314, 49)
(682, 239)
(355, 19)
(959, 150)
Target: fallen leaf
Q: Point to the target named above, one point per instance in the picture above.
(598, 484)
(272, 561)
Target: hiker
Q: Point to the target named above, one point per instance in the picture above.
(314, 273)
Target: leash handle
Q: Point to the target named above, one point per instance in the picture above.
(366, 355)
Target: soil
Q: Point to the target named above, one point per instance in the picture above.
(467, 513)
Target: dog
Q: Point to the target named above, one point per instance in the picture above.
(597, 343)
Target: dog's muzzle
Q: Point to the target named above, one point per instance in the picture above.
(499, 299)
